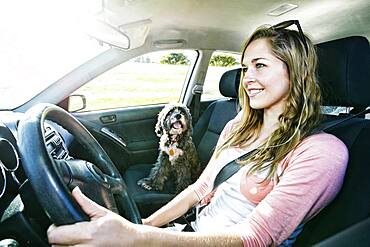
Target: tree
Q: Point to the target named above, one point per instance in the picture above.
(175, 58)
(222, 61)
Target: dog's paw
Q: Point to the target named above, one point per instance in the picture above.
(144, 183)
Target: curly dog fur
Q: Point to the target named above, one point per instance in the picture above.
(178, 156)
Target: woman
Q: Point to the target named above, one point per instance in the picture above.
(293, 170)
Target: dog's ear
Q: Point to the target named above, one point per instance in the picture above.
(190, 120)
(158, 129)
(186, 109)
(161, 115)
(158, 125)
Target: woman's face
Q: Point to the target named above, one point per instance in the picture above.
(266, 79)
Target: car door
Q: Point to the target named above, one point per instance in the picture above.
(122, 104)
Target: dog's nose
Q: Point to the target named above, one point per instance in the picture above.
(178, 116)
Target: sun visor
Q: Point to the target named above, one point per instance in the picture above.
(125, 36)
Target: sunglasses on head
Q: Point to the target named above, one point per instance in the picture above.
(285, 24)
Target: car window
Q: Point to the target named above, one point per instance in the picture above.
(153, 78)
(220, 62)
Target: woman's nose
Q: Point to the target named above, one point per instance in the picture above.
(249, 76)
(250, 80)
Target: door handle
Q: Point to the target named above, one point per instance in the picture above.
(108, 119)
(113, 135)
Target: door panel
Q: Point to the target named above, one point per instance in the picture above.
(129, 138)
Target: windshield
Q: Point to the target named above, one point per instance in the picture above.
(40, 42)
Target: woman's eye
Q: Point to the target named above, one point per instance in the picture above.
(260, 65)
(244, 69)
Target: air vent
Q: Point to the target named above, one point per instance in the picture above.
(55, 144)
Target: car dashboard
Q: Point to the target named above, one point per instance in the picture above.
(13, 181)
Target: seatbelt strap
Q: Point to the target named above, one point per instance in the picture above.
(225, 173)
(228, 170)
(197, 92)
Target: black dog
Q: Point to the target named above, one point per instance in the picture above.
(178, 156)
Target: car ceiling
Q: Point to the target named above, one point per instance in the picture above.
(224, 24)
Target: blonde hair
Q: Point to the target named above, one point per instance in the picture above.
(302, 111)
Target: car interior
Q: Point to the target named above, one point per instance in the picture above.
(47, 148)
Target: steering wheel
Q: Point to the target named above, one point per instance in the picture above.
(52, 179)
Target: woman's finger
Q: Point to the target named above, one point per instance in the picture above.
(91, 208)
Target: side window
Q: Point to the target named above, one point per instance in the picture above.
(220, 62)
(153, 78)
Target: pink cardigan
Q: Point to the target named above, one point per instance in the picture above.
(313, 175)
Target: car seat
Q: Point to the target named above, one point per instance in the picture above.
(344, 75)
(205, 135)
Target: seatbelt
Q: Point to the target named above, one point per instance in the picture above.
(197, 92)
(228, 170)
(225, 173)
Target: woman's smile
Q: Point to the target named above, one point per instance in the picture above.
(254, 91)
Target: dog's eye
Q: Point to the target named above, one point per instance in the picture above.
(183, 112)
(168, 114)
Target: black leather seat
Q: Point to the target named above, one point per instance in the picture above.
(344, 75)
(205, 135)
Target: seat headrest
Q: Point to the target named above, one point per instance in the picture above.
(229, 83)
(344, 71)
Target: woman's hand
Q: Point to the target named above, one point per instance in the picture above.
(109, 229)
(105, 228)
